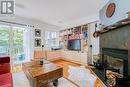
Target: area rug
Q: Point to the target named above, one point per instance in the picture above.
(20, 80)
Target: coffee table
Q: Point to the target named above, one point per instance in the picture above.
(41, 75)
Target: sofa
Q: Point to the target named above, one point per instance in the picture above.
(5, 73)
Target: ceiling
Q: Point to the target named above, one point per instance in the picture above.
(58, 12)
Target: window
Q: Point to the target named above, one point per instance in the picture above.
(52, 38)
(11, 43)
(18, 36)
(4, 35)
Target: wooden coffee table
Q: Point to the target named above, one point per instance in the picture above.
(42, 75)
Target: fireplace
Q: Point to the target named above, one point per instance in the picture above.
(115, 60)
(115, 68)
(115, 64)
(115, 51)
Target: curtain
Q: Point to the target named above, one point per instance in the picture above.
(28, 43)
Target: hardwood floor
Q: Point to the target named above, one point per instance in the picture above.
(16, 68)
(65, 64)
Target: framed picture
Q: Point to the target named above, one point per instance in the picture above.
(37, 42)
(37, 33)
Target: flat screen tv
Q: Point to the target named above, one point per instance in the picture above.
(74, 45)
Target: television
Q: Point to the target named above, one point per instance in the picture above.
(74, 45)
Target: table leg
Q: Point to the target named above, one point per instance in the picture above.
(55, 82)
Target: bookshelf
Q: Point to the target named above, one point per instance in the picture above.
(81, 31)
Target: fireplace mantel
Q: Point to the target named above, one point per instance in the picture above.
(117, 25)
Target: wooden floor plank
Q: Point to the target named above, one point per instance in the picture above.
(65, 64)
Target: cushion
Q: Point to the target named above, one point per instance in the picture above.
(4, 59)
(6, 85)
(4, 68)
(5, 79)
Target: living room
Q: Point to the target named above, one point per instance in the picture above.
(64, 43)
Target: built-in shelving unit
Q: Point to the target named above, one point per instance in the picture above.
(78, 32)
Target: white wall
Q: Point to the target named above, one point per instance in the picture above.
(122, 8)
(94, 41)
(81, 21)
(37, 25)
(94, 50)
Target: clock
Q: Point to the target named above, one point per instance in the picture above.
(110, 10)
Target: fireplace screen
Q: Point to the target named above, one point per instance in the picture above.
(114, 63)
(115, 60)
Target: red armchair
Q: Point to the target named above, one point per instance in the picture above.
(5, 74)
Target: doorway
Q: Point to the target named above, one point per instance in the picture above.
(11, 43)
